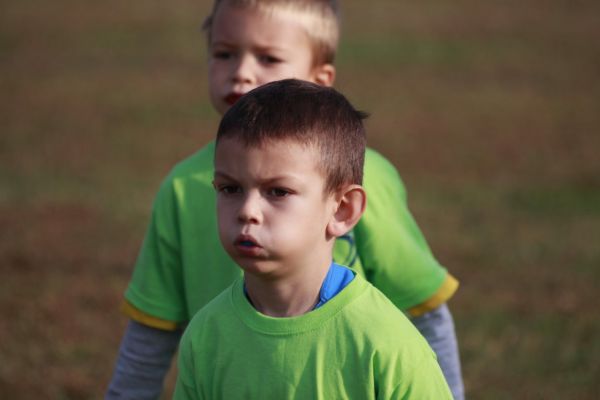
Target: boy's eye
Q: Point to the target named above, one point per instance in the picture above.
(229, 189)
(268, 59)
(278, 192)
(222, 54)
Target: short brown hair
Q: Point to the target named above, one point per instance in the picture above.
(308, 114)
(322, 25)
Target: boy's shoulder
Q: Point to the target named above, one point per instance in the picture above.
(376, 160)
(381, 320)
(367, 313)
(190, 179)
(380, 173)
(198, 166)
(219, 307)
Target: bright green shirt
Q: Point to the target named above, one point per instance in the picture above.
(182, 265)
(358, 345)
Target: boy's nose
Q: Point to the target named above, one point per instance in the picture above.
(249, 211)
(244, 70)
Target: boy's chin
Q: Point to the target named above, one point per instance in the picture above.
(258, 268)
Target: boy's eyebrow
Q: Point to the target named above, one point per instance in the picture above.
(221, 43)
(223, 175)
(219, 174)
(277, 179)
(259, 48)
(268, 48)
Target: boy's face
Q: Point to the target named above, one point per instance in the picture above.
(249, 48)
(271, 207)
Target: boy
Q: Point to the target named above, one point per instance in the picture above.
(288, 168)
(182, 265)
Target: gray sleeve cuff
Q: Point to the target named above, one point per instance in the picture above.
(143, 361)
(437, 326)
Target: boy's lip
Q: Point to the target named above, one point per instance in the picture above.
(247, 245)
(231, 98)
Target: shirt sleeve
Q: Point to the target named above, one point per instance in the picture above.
(437, 327)
(395, 255)
(143, 361)
(156, 287)
(423, 381)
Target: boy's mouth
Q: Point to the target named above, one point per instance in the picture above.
(247, 245)
(246, 241)
(231, 98)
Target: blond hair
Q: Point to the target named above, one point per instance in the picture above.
(320, 19)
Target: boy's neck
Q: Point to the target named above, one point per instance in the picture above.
(290, 296)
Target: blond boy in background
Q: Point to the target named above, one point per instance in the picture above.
(182, 265)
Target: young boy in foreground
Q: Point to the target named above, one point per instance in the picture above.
(288, 172)
(182, 265)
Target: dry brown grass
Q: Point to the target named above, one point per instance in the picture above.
(487, 109)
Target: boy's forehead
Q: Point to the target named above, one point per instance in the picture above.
(284, 152)
(270, 162)
(285, 144)
(257, 15)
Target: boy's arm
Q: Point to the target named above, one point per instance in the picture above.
(393, 251)
(155, 304)
(169, 282)
(143, 361)
(437, 327)
(398, 261)
(156, 288)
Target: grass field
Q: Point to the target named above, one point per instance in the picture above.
(488, 109)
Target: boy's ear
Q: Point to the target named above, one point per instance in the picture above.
(324, 75)
(351, 203)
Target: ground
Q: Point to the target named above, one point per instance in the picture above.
(488, 109)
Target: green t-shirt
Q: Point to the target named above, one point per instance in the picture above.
(358, 345)
(182, 265)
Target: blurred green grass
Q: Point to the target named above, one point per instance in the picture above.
(487, 109)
